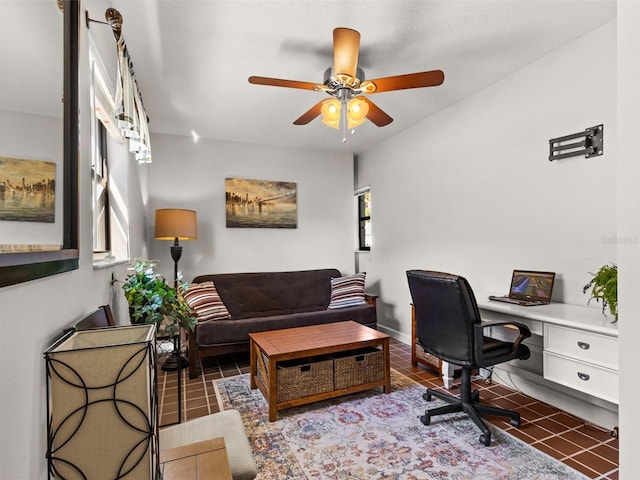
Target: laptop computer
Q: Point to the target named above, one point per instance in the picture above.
(528, 288)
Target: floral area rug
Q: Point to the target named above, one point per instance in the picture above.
(374, 436)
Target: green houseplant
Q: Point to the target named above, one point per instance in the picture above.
(152, 300)
(604, 286)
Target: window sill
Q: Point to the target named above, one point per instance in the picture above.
(101, 262)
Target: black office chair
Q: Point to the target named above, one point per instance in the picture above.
(448, 327)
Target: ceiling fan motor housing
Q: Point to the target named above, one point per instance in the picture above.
(332, 82)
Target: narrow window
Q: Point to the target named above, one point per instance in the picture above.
(364, 221)
(100, 193)
(109, 171)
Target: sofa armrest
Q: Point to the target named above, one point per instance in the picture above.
(371, 299)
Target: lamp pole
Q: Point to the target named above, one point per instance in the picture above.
(176, 224)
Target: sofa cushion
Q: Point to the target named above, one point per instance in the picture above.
(237, 331)
(347, 291)
(251, 295)
(204, 300)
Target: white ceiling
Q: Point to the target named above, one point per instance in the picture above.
(192, 58)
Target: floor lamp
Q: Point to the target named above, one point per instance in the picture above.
(176, 224)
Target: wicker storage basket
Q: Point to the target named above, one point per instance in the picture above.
(357, 367)
(426, 358)
(304, 377)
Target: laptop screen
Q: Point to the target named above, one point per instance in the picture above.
(531, 285)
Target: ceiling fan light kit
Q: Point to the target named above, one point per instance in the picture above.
(334, 112)
(345, 82)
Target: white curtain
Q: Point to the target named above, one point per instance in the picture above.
(130, 113)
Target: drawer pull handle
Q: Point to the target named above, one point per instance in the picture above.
(583, 345)
(583, 376)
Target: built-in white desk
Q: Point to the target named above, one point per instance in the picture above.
(574, 349)
(578, 344)
(584, 318)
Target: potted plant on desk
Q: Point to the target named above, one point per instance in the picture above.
(604, 286)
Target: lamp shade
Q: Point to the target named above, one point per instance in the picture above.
(172, 223)
(101, 404)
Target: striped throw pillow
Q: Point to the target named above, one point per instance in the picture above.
(204, 300)
(347, 291)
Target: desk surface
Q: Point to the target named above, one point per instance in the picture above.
(588, 318)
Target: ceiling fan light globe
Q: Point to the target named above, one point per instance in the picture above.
(332, 124)
(330, 111)
(357, 112)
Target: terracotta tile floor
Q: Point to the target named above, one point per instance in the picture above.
(577, 443)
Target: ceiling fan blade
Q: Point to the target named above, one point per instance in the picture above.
(432, 78)
(376, 115)
(279, 82)
(310, 114)
(346, 45)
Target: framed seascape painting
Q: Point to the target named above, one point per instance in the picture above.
(27, 190)
(261, 203)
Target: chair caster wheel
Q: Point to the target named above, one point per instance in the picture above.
(485, 439)
(515, 422)
(425, 419)
(427, 396)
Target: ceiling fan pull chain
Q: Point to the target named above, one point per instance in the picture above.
(343, 114)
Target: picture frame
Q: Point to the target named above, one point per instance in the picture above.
(26, 266)
(261, 203)
(27, 190)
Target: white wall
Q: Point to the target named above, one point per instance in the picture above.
(629, 234)
(473, 191)
(191, 175)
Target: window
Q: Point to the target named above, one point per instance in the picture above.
(100, 193)
(364, 220)
(109, 171)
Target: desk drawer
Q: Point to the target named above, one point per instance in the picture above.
(590, 347)
(591, 379)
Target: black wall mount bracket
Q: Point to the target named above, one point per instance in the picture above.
(591, 145)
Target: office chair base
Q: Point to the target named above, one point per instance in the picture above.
(469, 403)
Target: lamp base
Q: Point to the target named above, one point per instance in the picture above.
(175, 362)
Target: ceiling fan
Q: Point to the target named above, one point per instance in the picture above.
(346, 85)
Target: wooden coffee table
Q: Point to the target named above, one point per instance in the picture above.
(315, 340)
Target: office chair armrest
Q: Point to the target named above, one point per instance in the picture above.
(524, 332)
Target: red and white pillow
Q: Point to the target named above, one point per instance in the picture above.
(205, 301)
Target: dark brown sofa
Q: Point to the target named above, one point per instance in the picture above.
(265, 301)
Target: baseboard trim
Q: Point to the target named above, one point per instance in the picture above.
(395, 334)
